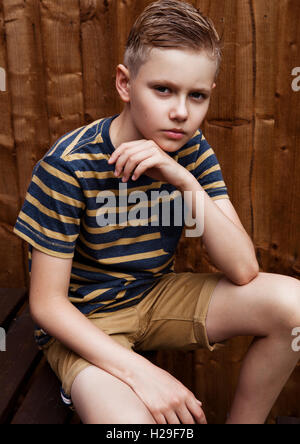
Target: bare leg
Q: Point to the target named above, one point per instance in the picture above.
(268, 308)
(101, 398)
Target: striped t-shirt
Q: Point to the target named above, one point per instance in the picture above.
(75, 207)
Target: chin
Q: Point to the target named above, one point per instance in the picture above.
(171, 147)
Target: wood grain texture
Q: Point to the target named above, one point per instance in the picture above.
(60, 60)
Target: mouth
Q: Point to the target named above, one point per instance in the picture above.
(175, 133)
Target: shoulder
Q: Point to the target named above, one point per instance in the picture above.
(73, 150)
(80, 140)
(196, 143)
(202, 143)
(195, 147)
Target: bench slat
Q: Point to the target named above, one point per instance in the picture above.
(11, 300)
(42, 403)
(287, 420)
(17, 361)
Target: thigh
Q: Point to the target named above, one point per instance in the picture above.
(66, 364)
(254, 309)
(99, 398)
(173, 315)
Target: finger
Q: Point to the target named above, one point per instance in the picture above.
(120, 163)
(185, 415)
(132, 162)
(128, 160)
(198, 413)
(143, 166)
(202, 419)
(114, 158)
(172, 417)
(126, 150)
(124, 146)
(159, 418)
(196, 410)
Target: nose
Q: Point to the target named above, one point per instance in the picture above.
(179, 110)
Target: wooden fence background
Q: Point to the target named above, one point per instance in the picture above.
(59, 58)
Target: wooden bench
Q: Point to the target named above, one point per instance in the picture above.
(29, 388)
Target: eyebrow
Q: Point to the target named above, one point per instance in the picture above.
(174, 86)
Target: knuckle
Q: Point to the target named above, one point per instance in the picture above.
(134, 157)
(164, 408)
(159, 409)
(130, 162)
(157, 416)
(199, 415)
(153, 145)
(155, 412)
(187, 394)
(176, 402)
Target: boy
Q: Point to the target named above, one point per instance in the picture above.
(100, 293)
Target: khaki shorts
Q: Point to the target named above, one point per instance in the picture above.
(171, 316)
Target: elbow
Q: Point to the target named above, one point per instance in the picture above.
(248, 274)
(34, 312)
(38, 307)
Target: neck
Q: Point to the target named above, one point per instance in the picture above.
(121, 129)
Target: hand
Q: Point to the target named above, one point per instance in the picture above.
(146, 157)
(168, 401)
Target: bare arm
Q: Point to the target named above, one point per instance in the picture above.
(51, 310)
(225, 239)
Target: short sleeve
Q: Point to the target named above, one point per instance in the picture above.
(50, 217)
(208, 172)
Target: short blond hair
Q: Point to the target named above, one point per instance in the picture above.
(170, 24)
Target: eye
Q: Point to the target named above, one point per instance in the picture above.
(198, 96)
(162, 89)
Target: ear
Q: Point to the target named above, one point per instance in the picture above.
(122, 83)
(214, 85)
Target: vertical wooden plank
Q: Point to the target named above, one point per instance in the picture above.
(29, 118)
(284, 251)
(286, 181)
(29, 113)
(216, 376)
(8, 171)
(11, 251)
(62, 65)
(264, 16)
(99, 43)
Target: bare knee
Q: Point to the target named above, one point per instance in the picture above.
(293, 288)
(285, 307)
(99, 398)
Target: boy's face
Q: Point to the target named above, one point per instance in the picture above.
(170, 95)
